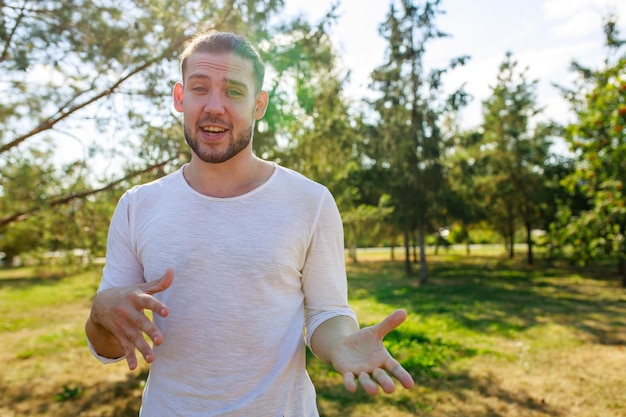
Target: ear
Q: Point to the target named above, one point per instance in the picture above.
(260, 105)
(177, 95)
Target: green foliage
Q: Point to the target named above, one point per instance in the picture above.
(25, 183)
(98, 74)
(68, 393)
(407, 144)
(320, 137)
(514, 155)
(597, 227)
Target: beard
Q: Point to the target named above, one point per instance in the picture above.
(235, 145)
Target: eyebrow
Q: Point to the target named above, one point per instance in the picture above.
(230, 81)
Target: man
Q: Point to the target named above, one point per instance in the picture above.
(240, 260)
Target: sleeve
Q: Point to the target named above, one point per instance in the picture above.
(324, 279)
(122, 266)
(102, 359)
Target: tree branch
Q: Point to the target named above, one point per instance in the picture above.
(5, 52)
(23, 215)
(63, 113)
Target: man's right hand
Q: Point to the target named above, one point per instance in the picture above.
(117, 322)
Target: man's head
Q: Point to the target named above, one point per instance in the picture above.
(220, 96)
(221, 43)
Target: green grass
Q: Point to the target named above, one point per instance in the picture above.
(26, 293)
(475, 310)
(486, 337)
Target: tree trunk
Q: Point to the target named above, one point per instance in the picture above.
(353, 252)
(511, 244)
(529, 241)
(511, 231)
(621, 267)
(407, 253)
(423, 267)
(414, 248)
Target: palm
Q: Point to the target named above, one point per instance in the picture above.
(361, 352)
(362, 355)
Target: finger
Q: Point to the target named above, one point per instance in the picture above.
(403, 376)
(384, 380)
(134, 325)
(129, 353)
(367, 384)
(148, 327)
(138, 342)
(134, 321)
(154, 287)
(161, 284)
(390, 323)
(349, 382)
(131, 360)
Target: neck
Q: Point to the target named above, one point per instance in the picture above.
(237, 176)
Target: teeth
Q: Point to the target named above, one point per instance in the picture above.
(213, 129)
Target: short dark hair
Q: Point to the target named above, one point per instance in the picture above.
(224, 42)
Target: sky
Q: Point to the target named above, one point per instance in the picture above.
(544, 36)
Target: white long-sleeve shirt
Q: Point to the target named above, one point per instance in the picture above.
(253, 274)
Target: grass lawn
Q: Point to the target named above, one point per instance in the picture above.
(486, 337)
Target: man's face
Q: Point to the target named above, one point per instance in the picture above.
(219, 105)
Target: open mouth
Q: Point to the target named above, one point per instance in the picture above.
(213, 130)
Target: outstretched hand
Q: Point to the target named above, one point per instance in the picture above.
(119, 313)
(363, 357)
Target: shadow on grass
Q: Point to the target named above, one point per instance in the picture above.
(483, 296)
(456, 387)
(30, 281)
(104, 399)
(499, 297)
(123, 397)
(335, 401)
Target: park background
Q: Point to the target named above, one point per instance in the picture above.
(495, 190)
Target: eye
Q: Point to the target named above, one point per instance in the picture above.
(233, 92)
(198, 89)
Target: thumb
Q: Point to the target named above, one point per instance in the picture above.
(391, 322)
(160, 284)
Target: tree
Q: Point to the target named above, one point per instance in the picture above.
(408, 135)
(98, 72)
(599, 142)
(321, 137)
(465, 166)
(21, 188)
(517, 152)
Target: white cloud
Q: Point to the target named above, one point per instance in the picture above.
(560, 9)
(580, 17)
(577, 25)
(545, 35)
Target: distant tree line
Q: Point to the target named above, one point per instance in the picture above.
(97, 75)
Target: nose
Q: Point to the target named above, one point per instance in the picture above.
(214, 103)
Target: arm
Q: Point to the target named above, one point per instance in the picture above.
(117, 322)
(360, 354)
